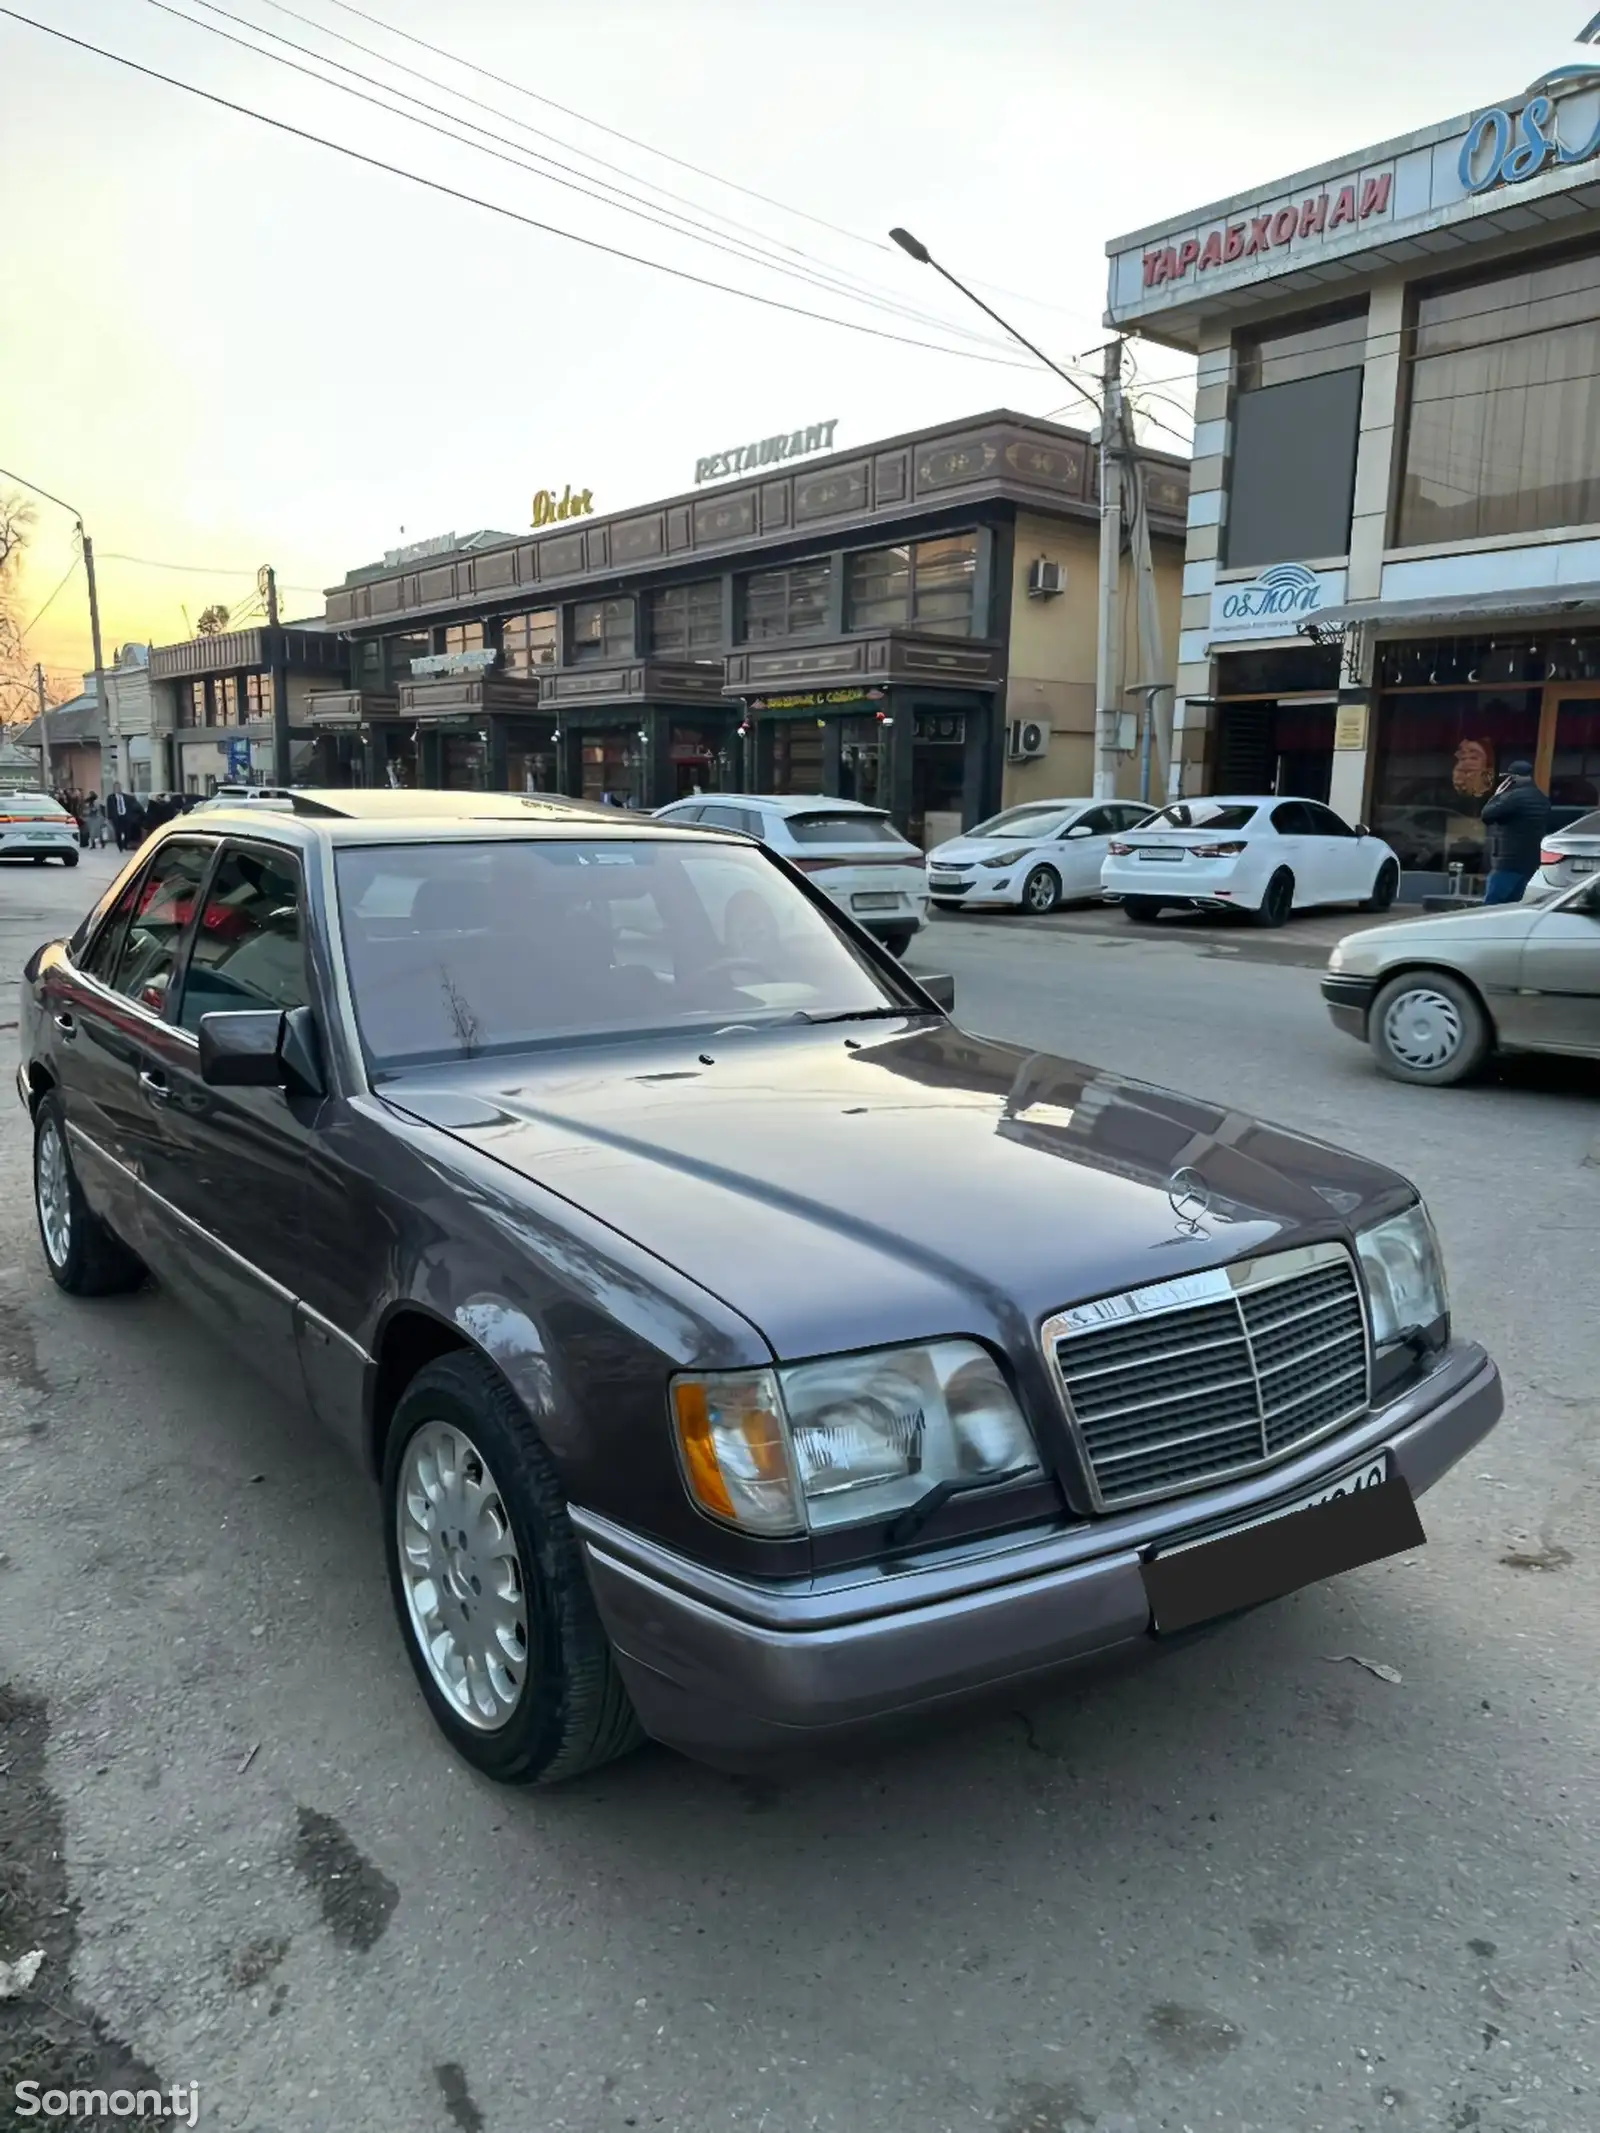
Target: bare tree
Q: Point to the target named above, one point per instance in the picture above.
(213, 621)
(17, 700)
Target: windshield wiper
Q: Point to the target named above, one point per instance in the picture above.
(915, 1516)
(859, 1014)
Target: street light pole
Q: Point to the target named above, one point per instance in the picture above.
(1108, 694)
(94, 600)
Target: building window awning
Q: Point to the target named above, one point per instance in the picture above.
(1541, 603)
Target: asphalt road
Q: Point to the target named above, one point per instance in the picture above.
(1251, 1885)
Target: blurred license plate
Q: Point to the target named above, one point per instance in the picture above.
(1585, 866)
(1157, 851)
(875, 903)
(44, 836)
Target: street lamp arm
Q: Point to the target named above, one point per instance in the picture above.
(6, 475)
(915, 249)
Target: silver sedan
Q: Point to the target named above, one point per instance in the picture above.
(1566, 856)
(1434, 997)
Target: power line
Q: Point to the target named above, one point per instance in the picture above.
(695, 233)
(495, 207)
(196, 570)
(24, 634)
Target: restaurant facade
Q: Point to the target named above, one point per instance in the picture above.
(911, 624)
(1392, 575)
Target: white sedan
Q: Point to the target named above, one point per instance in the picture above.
(1264, 856)
(1030, 858)
(1566, 857)
(34, 825)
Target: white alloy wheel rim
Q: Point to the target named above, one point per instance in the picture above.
(1423, 1029)
(1041, 890)
(466, 1598)
(54, 1190)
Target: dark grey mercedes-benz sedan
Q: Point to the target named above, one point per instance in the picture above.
(746, 1355)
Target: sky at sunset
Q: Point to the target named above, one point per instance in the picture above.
(227, 346)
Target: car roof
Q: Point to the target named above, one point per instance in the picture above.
(387, 816)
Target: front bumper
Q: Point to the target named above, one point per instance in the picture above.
(737, 1673)
(1349, 1001)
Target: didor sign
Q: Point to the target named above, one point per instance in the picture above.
(548, 507)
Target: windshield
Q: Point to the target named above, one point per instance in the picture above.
(843, 828)
(1203, 814)
(455, 950)
(1035, 823)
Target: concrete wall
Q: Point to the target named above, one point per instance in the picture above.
(1053, 655)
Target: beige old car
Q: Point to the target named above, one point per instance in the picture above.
(1434, 997)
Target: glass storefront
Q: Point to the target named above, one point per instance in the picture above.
(797, 756)
(1274, 722)
(1441, 752)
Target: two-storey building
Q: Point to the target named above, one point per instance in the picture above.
(1392, 580)
(911, 623)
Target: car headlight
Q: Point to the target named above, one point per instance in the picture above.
(1336, 958)
(1005, 859)
(808, 1446)
(1405, 1275)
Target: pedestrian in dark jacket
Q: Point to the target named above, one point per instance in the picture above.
(1517, 815)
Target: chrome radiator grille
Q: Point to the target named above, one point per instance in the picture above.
(1184, 1382)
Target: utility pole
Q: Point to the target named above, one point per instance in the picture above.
(99, 659)
(44, 728)
(277, 657)
(1108, 657)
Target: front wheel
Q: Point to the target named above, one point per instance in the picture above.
(1278, 901)
(488, 1583)
(1385, 889)
(1428, 1027)
(1143, 910)
(1041, 892)
(83, 1256)
(898, 943)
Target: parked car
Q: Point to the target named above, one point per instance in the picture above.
(1435, 997)
(278, 797)
(743, 1354)
(857, 857)
(1264, 856)
(1030, 858)
(34, 825)
(1567, 856)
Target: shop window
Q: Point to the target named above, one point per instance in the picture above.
(797, 757)
(1503, 421)
(1296, 418)
(602, 629)
(685, 619)
(258, 695)
(1440, 754)
(1575, 756)
(925, 584)
(531, 640)
(461, 637)
(788, 603)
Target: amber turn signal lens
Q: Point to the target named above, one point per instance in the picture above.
(734, 1451)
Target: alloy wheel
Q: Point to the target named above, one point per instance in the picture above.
(53, 1189)
(1423, 1029)
(466, 1596)
(1041, 891)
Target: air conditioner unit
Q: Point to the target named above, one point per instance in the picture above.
(1046, 578)
(1026, 739)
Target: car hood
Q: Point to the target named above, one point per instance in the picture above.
(1376, 946)
(843, 1191)
(968, 850)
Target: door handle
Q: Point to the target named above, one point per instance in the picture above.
(154, 1084)
(67, 1026)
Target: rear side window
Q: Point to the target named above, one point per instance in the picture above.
(843, 827)
(1291, 820)
(163, 905)
(249, 950)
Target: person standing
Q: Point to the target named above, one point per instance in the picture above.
(95, 822)
(120, 809)
(1517, 816)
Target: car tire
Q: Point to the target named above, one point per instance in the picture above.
(84, 1257)
(1041, 892)
(566, 1710)
(1277, 902)
(1143, 910)
(69, 859)
(1385, 889)
(1428, 1028)
(898, 944)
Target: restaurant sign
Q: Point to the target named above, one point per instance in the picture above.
(548, 507)
(768, 452)
(815, 699)
(1277, 603)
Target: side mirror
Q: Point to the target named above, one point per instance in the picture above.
(941, 991)
(1079, 829)
(241, 1051)
(1361, 830)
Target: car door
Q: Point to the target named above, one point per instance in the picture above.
(1558, 978)
(229, 1165)
(1338, 861)
(1291, 848)
(106, 1011)
(1078, 850)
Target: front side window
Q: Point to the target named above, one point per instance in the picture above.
(685, 619)
(100, 960)
(602, 629)
(163, 905)
(248, 949)
(531, 640)
(788, 603)
(1296, 419)
(1503, 427)
(458, 949)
